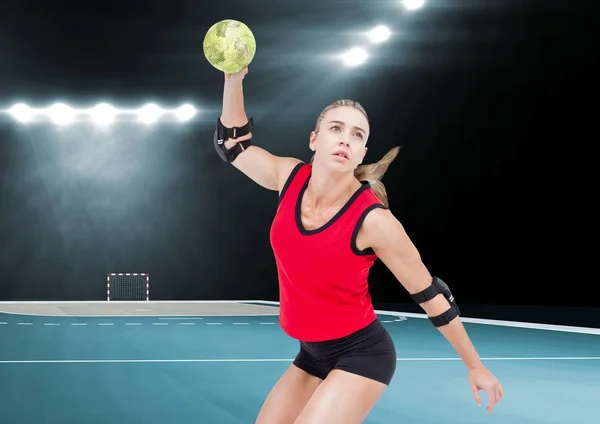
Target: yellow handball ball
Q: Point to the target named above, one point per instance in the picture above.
(229, 46)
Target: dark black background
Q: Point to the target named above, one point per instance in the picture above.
(488, 102)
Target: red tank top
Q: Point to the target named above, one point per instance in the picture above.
(323, 284)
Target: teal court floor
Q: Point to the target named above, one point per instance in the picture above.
(214, 363)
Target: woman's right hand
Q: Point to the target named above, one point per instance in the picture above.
(237, 76)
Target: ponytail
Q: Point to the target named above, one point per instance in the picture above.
(373, 173)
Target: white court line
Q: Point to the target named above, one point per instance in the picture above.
(124, 361)
(139, 302)
(133, 302)
(161, 316)
(516, 324)
(181, 318)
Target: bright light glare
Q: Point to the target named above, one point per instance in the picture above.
(22, 113)
(379, 34)
(355, 56)
(61, 114)
(104, 114)
(149, 113)
(185, 112)
(413, 4)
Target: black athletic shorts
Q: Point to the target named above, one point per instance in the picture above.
(369, 352)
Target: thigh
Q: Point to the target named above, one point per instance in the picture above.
(288, 397)
(342, 398)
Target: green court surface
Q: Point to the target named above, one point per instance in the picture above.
(144, 364)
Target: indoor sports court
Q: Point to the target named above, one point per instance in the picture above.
(119, 361)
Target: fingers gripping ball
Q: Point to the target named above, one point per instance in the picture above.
(229, 46)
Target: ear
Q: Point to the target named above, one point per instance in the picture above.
(312, 140)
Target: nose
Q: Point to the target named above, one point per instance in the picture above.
(343, 143)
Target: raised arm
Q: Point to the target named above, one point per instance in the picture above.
(258, 164)
(387, 237)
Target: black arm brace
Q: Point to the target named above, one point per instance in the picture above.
(438, 286)
(222, 134)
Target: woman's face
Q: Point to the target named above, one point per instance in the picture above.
(341, 142)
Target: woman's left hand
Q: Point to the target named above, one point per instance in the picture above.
(482, 379)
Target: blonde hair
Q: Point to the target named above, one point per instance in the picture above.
(373, 172)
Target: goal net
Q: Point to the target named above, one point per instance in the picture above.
(128, 286)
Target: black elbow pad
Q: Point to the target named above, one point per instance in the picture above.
(222, 134)
(439, 287)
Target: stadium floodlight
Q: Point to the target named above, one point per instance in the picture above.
(150, 113)
(355, 56)
(413, 4)
(22, 113)
(379, 34)
(61, 114)
(185, 112)
(104, 114)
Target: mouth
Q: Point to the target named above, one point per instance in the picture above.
(341, 154)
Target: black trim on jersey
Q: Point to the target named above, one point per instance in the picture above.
(361, 219)
(364, 186)
(289, 180)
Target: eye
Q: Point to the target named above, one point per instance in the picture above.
(360, 135)
(335, 127)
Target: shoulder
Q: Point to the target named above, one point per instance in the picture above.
(379, 220)
(285, 165)
(381, 229)
(287, 170)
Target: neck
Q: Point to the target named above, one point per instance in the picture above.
(327, 189)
